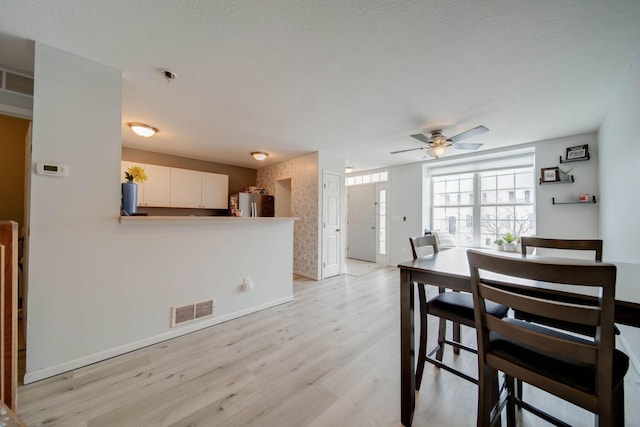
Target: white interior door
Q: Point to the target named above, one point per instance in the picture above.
(361, 238)
(331, 207)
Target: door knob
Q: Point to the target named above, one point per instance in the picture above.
(337, 229)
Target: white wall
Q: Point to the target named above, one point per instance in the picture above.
(98, 288)
(619, 172)
(405, 202)
(619, 178)
(567, 221)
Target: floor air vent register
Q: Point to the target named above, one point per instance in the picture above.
(191, 312)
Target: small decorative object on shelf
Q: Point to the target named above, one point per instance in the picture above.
(564, 174)
(130, 189)
(578, 152)
(583, 199)
(499, 243)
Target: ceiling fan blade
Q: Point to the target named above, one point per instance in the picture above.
(404, 151)
(421, 137)
(466, 146)
(467, 134)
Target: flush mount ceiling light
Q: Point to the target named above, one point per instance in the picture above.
(348, 169)
(142, 129)
(259, 155)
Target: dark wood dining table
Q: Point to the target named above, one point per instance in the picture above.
(450, 269)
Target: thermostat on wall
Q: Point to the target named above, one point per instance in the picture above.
(51, 169)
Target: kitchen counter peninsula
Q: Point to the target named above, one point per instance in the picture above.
(221, 219)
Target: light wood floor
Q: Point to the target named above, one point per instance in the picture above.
(329, 358)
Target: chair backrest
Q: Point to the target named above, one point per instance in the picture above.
(422, 241)
(573, 244)
(585, 309)
(444, 239)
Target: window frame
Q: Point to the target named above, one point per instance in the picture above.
(476, 170)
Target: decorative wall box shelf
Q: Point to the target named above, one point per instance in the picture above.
(590, 202)
(569, 181)
(582, 159)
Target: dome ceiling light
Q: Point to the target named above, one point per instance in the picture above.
(142, 129)
(259, 155)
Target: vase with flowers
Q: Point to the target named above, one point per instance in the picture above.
(134, 175)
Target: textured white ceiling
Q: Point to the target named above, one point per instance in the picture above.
(354, 77)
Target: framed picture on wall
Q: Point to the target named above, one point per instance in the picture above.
(549, 174)
(578, 152)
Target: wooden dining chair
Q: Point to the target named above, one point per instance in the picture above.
(586, 371)
(582, 245)
(456, 307)
(594, 245)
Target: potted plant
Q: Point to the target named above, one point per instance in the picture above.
(509, 244)
(134, 175)
(499, 243)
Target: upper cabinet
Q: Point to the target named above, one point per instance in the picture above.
(186, 188)
(157, 187)
(215, 191)
(181, 188)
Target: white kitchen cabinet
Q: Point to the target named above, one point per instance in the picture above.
(215, 190)
(180, 188)
(157, 188)
(186, 188)
(124, 167)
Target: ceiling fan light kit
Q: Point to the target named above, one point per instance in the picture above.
(437, 144)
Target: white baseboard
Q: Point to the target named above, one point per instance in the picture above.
(304, 274)
(41, 374)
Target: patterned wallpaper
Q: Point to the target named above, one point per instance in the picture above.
(303, 172)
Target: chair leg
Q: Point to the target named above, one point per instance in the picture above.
(518, 390)
(422, 352)
(441, 335)
(511, 402)
(617, 407)
(456, 337)
(487, 394)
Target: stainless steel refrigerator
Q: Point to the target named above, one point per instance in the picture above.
(256, 204)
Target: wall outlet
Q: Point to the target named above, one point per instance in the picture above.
(247, 284)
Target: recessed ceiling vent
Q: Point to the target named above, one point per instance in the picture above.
(191, 312)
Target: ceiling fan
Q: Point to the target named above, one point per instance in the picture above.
(438, 144)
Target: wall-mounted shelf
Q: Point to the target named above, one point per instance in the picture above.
(590, 202)
(582, 159)
(569, 181)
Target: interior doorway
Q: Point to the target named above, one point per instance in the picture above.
(15, 160)
(283, 198)
(331, 228)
